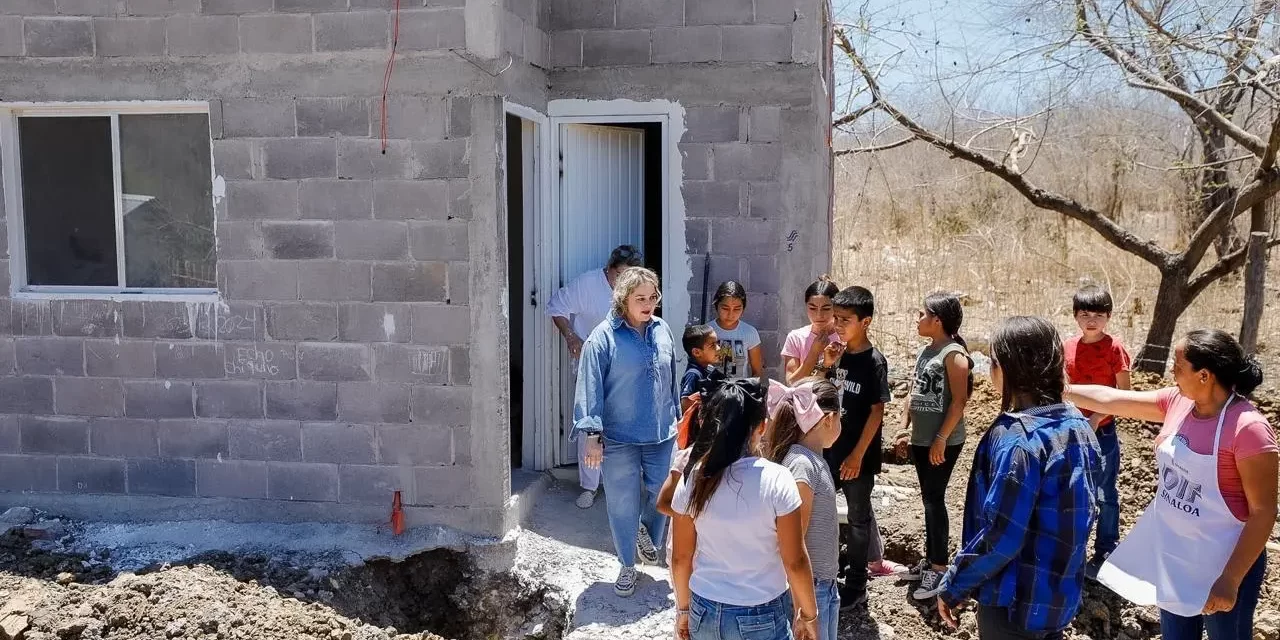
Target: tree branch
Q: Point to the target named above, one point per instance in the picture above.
(1224, 266)
(1265, 185)
(883, 147)
(853, 117)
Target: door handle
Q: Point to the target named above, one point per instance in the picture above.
(533, 298)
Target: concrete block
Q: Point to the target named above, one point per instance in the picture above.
(158, 399)
(58, 37)
(444, 159)
(190, 360)
(775, 11)
(372, 240)
(156, 319)
(441, 324)
(351, 31)
(91, 475)
(336, 199)
(333, 117)
(360, 322)
(762, 313)
(641, 14)
(236, 6)
(51, 356)
(202, 35)
(293, 158)
(460, 199)
(416, 282)
(367, 402)
(228, 399)
(696, 163)
(334, 362)
(706, 199)
(193, 439)
(512, 31)
(414, 445)
(757, 43)
(745, 237)
(341, 443)
(526, 10)
(410, 199)
(161, 7)
(439, 241)
(443, 486)
(28, 473)
(88, 396)
(123, 438)
(615, 48)
(298, 240)
(250, 200)
(239, 240)
(261, 361)
(363, 159)
(365, 484)
(275, 34)
(302, 321)
(537, 46)
(722, 268)
(459, 283)
(302, 481)
(10, 441)
(566, 49)
(712, 124)
(697, 236)
(459, 117)
(417, 118)
(278, 440)
(257, 118)
(308, 6)
(687, 44)
(302, 400)
(232, 321)
(231, 479)
(582, 14)
(88, 7)
(8, 357)
(259, 280)
(337, 281)
(719, 12)
(419, 365)
(26, 395)
(11, 37)
(53, 435)
(121, 37)
(448, 407)
(162, 477)
(30, 317)
(766, 124)
(435, 29)
(28, 7)
(460, 366)
(736, 161)
(765, 199)
(232, 159)
(86, 318)
(762, 274)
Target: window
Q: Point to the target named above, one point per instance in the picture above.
(109, 200)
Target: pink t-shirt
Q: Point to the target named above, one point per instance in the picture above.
(799, 341)
(1245, 433)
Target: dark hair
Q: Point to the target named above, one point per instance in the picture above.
(1093, 299)
(733, 413)
(823, 286)
(947, 309)
(729, 289)
(1028, 351)
(695, 337)
(625, 255)
(784, 430)
(1218, 352)
(856, 299)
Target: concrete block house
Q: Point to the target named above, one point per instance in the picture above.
(253, 271)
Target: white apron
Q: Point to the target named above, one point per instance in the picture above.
(1181, 544)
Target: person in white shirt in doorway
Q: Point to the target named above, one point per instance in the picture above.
(576, 309)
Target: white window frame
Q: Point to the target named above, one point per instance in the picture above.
(10, 159)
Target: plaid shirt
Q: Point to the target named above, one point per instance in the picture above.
(1031, 501)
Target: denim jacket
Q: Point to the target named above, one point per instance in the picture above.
(626, 383)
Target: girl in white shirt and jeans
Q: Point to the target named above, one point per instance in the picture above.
(738, 536)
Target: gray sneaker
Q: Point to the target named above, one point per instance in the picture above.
(915, 573)
(930, 585)
(644, 547)
(625, 585)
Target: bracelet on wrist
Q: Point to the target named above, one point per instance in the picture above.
(802, 617)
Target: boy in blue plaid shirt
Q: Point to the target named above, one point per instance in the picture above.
(1032, 497)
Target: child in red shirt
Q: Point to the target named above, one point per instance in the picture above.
(1095, 357)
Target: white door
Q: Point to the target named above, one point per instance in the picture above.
(601, 207)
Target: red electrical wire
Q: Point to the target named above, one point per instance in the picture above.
(386, 77)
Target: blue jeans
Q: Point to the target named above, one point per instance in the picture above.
(1236, 624)
(828, 592)
(633, 475)
(1108, 534)
(710, 620)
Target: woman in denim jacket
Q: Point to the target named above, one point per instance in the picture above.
(626, 404)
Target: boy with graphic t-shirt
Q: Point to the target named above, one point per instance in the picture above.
(1094, 357)
(862, 375)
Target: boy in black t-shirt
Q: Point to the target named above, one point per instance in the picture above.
(862, 375)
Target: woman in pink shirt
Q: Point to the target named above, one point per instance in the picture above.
(1198, 551)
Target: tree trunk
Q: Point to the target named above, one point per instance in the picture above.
(1255, 277)
(1171, 301)
(1216, 187)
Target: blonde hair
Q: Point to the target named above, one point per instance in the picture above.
(627, 283)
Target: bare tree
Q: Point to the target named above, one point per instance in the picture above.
(1219, 69)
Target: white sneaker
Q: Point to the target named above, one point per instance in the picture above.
(625, 585)
(930, 585)
(585, 500)
(644, 547)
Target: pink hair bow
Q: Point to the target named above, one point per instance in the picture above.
(803, 402)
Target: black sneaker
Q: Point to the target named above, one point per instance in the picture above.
(930, 585)
(1092, 567)
(915, 573)
(850, 602)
